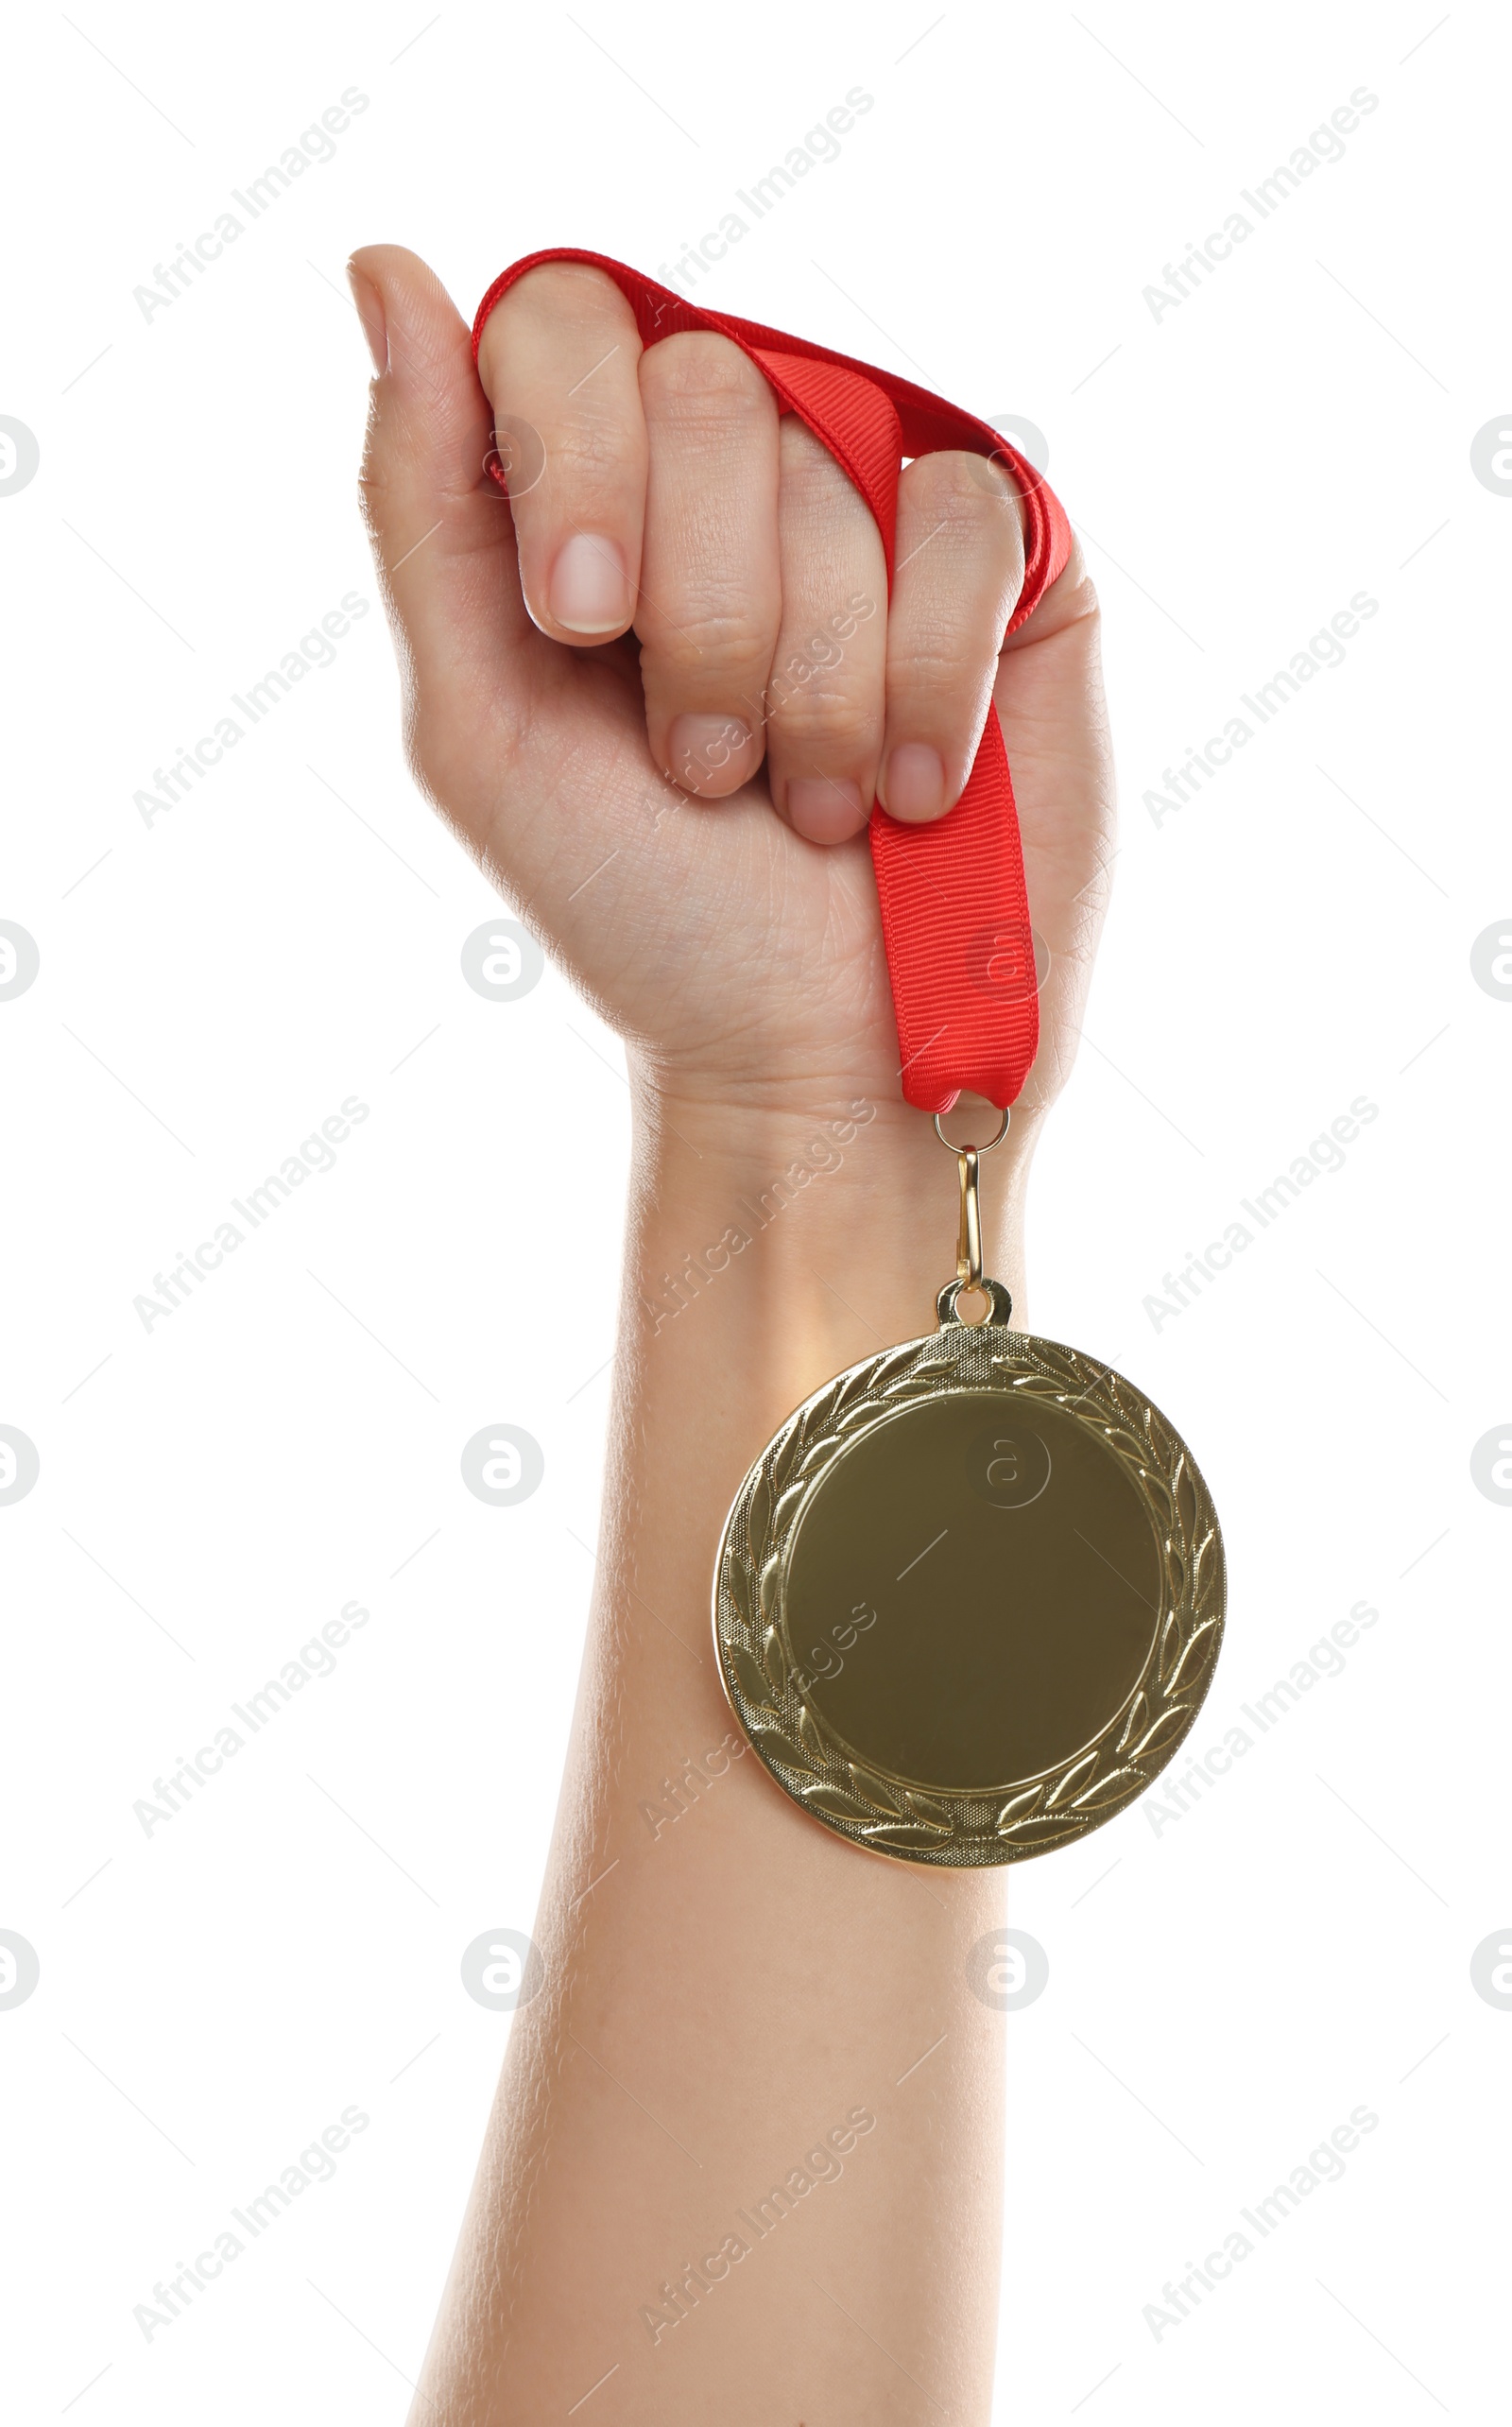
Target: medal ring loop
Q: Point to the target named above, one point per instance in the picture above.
(1002, 1131)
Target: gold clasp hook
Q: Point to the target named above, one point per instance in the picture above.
(969, 1236)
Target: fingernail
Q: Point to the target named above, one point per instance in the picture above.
(915, 786)
(369, 305)
(825, 811)
(709, 753)
(588, 591)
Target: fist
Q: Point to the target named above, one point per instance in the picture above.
(656, 688)
(669, 497)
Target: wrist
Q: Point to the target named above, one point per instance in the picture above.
(767, 1249)
(830, 1216)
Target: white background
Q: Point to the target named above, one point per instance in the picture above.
(1221, 1994)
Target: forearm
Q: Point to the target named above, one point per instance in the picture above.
(727, 1985)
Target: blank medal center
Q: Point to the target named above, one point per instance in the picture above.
(972, 1591)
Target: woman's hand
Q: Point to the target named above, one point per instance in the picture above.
(657, 690)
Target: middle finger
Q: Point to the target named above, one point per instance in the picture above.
(710, 583)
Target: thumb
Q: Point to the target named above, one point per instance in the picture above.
(441, 531)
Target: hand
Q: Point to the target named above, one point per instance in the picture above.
(710, 890)
(656, 693)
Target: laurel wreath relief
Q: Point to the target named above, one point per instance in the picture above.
(788, 1732)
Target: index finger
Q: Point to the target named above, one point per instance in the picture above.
(560, 353)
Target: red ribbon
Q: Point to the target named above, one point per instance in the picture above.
(954, 912)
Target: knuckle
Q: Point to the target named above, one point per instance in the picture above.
(822, 720)
(698, 376)
(707, 645)
(590, 453)
(939, 668)
(968, 498)
(813, 482)
(954, 476)
(819, 688)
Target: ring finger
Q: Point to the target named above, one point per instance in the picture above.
(824, 696)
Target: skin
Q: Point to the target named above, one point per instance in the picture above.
(727, 1988)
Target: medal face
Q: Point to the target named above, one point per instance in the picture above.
(970, 1599)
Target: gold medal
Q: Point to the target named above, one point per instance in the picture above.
(970, 1596)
